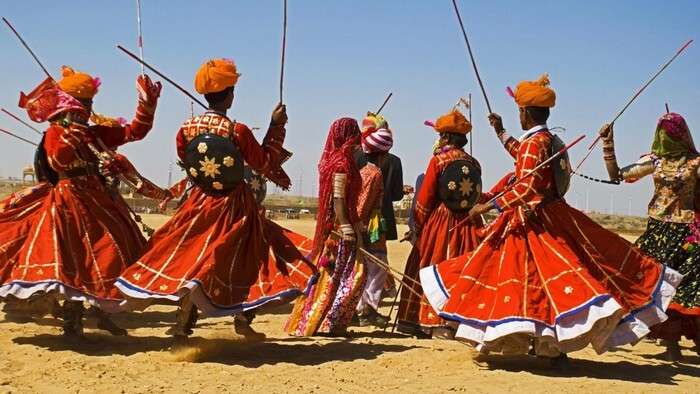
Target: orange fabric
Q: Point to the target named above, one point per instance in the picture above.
(78, 84)
(215, 76)
(453, 122)
(535, 93)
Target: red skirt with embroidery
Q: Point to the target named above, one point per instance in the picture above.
(555, 275)
(75, 241)
(436, 244)
(215, 249)
(17, 214)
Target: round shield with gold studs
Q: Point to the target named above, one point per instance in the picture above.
(561, 167)
(459, 185)
(256, 183)
(214, 163)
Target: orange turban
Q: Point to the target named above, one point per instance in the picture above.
(215, 76)
(535, 93)
(78, 84)
(453, 122)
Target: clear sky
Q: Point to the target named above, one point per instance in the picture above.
(343, 57)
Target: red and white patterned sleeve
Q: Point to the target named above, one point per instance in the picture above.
(532, 152)
(62, 148)
(511, 144)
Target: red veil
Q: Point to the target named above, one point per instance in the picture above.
(343, 136)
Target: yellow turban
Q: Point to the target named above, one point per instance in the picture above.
(215, 76)
(78, 84)
(453, 122)
(535, 93)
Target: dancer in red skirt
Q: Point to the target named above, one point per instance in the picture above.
(76, 239)
(209, 254)
(546, 273)
(433, 221)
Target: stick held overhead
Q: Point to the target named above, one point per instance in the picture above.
(634, 97)
(26, 46)
(175, 84)
(386, 100)
(471, 56)
(284, 48)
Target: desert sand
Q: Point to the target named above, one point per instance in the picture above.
(35, 358)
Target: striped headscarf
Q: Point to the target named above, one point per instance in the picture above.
(376, 135)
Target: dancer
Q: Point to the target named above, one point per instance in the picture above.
(376, 145)
(79, 239)
(209, 254)
(375, 134)
(545, 273)
(331, 303)
(672, 234)
(433, 220)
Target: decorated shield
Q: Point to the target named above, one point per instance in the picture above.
(214, 163)
(459, 186)
(561, 166)
(257, 184)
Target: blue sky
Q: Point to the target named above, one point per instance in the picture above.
(343, 57)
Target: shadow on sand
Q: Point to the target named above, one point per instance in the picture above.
(606, 370)
(221, 350)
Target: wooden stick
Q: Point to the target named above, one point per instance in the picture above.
(284, 47)
(471, 56)
(18, 137)
(667, 110)
(26, 46)
(21, 121)
(386, 100)
(148, 66)
(634, 97)
(382, 264)
(140, 32)
(393, 304)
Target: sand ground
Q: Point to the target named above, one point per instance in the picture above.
(35, 358)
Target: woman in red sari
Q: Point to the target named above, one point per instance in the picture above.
(76, 238)
(545, 274)
(209, 254)
(331, 302)
(433, 221)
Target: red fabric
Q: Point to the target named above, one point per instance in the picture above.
(218, 243)
(435, 242)
(337, 158)
(541, 260)
(531, 190)
(286, 270)
(17, 213)
(48, 100)
(82, 236)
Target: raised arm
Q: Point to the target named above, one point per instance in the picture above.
(114, 135)
(511, 144)
(630, 173)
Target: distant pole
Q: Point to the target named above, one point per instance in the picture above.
(471, 140)
(170, 174)
(192, 109)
